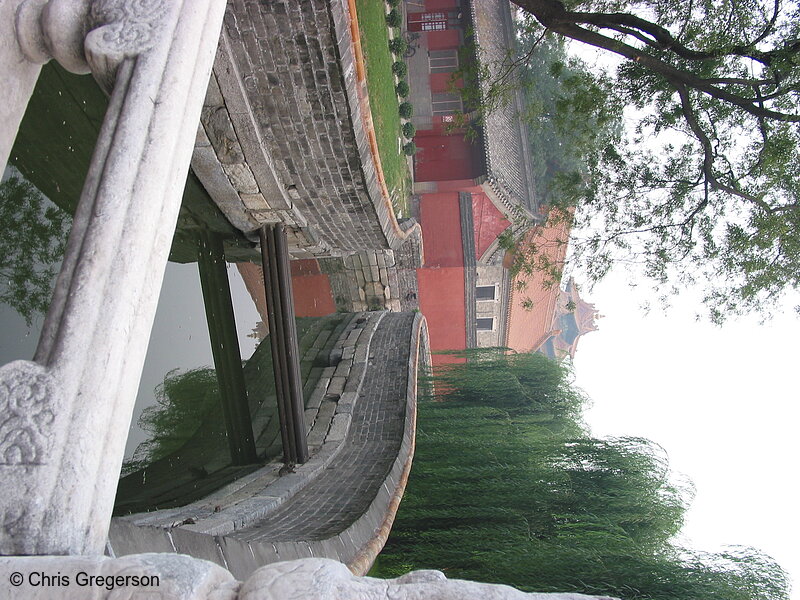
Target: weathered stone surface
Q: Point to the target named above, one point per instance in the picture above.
(294, 109)
(162, 576)
(62, 474)
(254, 201)
(241, 177)
(177, 577)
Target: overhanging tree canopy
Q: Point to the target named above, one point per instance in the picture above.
(708, 176)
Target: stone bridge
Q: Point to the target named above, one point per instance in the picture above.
(341, 503)
(284, 137)
(285, 133)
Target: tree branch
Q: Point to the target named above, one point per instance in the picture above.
(553, 15)
(708, 151)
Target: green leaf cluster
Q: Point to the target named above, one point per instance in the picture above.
(508, 488)
(183, 401)
(31, 247)
(680, 156)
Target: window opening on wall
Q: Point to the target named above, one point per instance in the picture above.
(486, 292)
(443, 61)
(434, 20)
(485, 323)
(445, 103)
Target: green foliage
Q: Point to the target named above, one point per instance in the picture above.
(393, 3)
(402, 88)
(514, 491)
(394, 19)
(569, 117)
(398, 46)
(522, 383)
(31, 246)
(383, 100)
(400, 68)
(406, 110)
(409, 130)
(182, 402)
(702, 186)
(409, 149)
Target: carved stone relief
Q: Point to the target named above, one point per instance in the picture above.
(27, 410)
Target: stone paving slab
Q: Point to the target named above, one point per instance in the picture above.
(340, 504)
(347, 486)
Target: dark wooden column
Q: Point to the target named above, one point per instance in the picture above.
(225, 348)
(283, 341)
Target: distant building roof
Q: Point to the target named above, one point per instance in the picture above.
(543, 318)
(582, 316)
(532, 304)
(505, 135)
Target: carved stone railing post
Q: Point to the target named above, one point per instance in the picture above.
(64, 417)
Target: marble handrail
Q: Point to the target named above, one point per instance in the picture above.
(64, 416)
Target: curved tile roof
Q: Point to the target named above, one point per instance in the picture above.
(505, 135)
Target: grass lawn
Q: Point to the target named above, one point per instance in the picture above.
(383, 100)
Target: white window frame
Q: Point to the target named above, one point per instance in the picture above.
(479, 319)
(495, 296)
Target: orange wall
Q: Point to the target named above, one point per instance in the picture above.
(312, 293)
(312, 296)
(304, 266)
(441, 300)
(441, 230)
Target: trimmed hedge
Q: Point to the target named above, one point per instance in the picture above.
(398, 46)
(402, 89)
(393, 19)
(409, 149)
(406, 110)
(409, 130)
(400, 68)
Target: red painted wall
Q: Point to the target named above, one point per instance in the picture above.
(441, 230)
(488, 221)
(444, 40)
(440, 4)
(441, 300)
(458, 185)
(442, 82)
(304, 266)
(312, 296)
(442, 157)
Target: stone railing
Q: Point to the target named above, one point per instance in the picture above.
(65, 415)
(176, 577)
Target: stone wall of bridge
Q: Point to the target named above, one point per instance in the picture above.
(284, 133)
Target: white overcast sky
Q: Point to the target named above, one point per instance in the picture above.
(723, 402)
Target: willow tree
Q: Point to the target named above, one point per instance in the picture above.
(705, 186)
(518, 499)
(525, 383)
(31, 247)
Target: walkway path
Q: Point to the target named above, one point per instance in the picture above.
(341, 503)
(343, 492)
